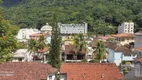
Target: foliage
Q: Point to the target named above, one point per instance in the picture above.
(94, 61)
(125, 71)
(55, 46)
(35, 45)
(7, 40)
(105, 13)
(80, 43)
(84, 61)
(100, 51)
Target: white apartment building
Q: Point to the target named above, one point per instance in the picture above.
(23, 34)
(126, 27)
(73, 28)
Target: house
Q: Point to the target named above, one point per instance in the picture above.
(69, 54)
(23, 34)
(22, 55)
(73, 28)
(118, 53)
(126, 27)
(36, 36)
(124, 38)
(138, 39)
(46, 29)
(90, 71)
(136, 72)
(25, 71)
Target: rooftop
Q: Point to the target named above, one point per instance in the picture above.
(124, 35)
(25, 71)
(139, 48)
(91, 71)
(119, 48)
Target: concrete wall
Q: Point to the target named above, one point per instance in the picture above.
(138, 40)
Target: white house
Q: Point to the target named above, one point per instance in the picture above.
(22, 55)
(23, 34)
(126, 27)
(73, 28)
(118, 53)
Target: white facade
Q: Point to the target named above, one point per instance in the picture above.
(24, 54)
(138, 40)
(73, 28)
(23, 34)
(46, 29)
(126, 27)
(51, 77)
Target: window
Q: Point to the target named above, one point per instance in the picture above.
(50, 77)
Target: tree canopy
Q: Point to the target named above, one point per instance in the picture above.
(35, 13)
(8, 43)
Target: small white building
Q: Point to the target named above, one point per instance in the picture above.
(46, 29)
(73, 28)
(23, 34)
(22, 55)
(126, 27)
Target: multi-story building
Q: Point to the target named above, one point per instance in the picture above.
(23, 34)
(126, 27)
(73, 28)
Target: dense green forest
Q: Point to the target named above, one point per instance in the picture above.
(102, 16)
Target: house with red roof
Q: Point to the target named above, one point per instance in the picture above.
(124, 38)
(90, 71)
(25, 71)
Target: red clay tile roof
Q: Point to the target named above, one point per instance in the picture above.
(91, 71)
(124, 35)
(139, 48)
(43, 50)
(25, 71)
(70, 49)
(38, 35)
(138, 59)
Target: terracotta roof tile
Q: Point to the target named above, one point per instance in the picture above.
(124, 35)
(38, 35)
(25, 71)
(138, 59)
(139, 48)
(69, 49)
(43, 50)
(91, 71)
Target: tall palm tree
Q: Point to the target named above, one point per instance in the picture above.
(80, 44)
(100, 51)
(32, 46)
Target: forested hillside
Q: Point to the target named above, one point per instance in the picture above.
(99, 14)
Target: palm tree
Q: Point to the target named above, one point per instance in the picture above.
(32, 46)
(100, 51)
(80, 44)
(35, 45)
